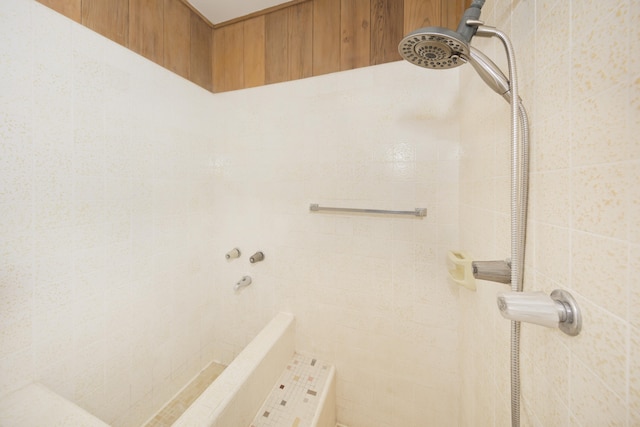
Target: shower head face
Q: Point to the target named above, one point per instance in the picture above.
(435, 48)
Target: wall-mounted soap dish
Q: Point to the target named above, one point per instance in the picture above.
(460, 269)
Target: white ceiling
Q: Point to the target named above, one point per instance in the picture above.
(218, 11)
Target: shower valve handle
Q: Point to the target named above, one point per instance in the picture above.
(257, 257)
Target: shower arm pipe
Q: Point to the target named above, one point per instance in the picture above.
(519, 196)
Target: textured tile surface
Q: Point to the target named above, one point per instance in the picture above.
(16, 409)
(123, 186)
(583, 219)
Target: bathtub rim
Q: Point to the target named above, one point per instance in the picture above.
(249, 374)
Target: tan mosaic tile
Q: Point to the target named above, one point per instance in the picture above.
(172, 410)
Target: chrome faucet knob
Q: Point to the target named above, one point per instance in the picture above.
(257, 257)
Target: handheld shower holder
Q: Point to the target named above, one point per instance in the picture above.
(494, 271)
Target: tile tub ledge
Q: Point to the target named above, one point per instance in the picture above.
(36, 405)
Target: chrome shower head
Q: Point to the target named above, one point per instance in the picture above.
(434, 47)
(441, 48)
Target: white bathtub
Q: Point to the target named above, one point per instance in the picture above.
(236, 395)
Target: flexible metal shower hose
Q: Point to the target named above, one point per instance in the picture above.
(519, 205)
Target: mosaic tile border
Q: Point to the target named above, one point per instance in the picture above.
(294, 399)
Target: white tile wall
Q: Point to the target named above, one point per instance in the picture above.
(583, 218)
(123, 186)
(369, 293)
(104, 276)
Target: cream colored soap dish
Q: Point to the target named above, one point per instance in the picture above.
(460, 269)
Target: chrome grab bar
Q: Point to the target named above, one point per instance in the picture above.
(419, 212)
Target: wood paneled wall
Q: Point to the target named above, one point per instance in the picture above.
(298, 39)
(168, 32)
(314, 37)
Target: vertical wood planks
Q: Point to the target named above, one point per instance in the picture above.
(387, 18)
(146, 28)
(452, 12)
(200, 55)
(218, 60)
(355, 31)
(326, 36)
(300, 41)
(277, 46)
(254, 52)
(70, 8)
(228, 58)
(167, 32)
(177, 37)
(422, 13)
(234, 69)
(107, 17)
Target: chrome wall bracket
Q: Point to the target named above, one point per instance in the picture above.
(494, 271)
